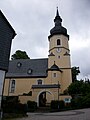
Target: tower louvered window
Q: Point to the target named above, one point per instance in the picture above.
(58, 42)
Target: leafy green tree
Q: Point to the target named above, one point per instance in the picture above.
(79, 88)
(19, 55)
(75, 72)
(74, 88)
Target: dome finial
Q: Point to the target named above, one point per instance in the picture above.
(57, 19)
(57, 14)
(58, 29)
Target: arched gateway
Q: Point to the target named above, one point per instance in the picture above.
(44, 98)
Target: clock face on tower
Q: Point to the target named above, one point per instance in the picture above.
(58, 50)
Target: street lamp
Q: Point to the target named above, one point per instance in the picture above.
(7, 33)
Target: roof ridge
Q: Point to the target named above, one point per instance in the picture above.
(29, 59)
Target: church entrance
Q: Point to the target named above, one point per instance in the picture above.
(45, 98)
(42, 99)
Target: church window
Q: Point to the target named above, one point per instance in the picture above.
(54, 75)
(58, 42)
(39, 82)
(12, 86)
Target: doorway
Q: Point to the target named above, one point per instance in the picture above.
(42, 99)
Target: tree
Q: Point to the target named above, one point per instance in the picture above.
(19, 55)
(75, 72)
(80, 92)
(79, 88)
(75, 88)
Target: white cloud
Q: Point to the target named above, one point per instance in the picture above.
(33, 19)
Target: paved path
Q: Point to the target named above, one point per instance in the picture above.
(82, 114)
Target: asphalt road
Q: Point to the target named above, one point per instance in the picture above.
(82, 114)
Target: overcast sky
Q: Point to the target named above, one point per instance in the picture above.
(33, 19)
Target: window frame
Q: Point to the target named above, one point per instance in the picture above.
(58, 42)
(54, 75)
(39, 80)
(12, 85)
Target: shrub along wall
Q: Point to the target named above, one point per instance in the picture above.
(12, 105)
(81, 102)
(57, 105)
(31, 105)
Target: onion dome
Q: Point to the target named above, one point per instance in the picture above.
(58, 28)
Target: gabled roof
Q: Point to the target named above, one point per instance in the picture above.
(54, 67)
(27, 68)
(9, 25)
(7, 33)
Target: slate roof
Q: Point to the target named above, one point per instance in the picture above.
(27, 68)
(9, 25)
(7, 33)
(54, 67)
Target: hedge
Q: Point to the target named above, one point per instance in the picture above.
(55, 104)
(32, 106)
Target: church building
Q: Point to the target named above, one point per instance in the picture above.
(43, 80)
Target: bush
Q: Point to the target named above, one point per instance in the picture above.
(55, 104)
(32, 106)
(77, 103)
(81, 102)
(86, 101)
(21, 108)
(12, 105)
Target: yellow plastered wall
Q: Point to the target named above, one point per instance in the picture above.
(24, 99)
(22, 85)
(66, 79)
(51, 79)
(60, 59)
(53, 42)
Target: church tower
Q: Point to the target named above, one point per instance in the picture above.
(59, 53)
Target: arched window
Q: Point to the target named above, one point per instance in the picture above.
(54, 75)
(39, 82)
(58, 42)
(12, 86)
